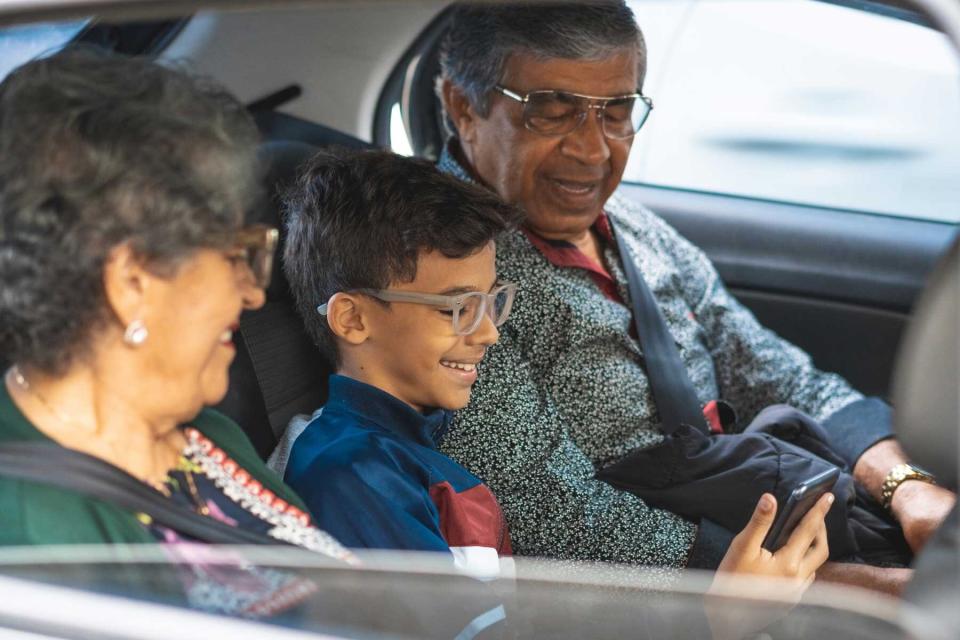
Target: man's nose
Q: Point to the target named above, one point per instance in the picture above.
(587, 143)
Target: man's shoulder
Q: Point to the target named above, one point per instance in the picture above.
(639, 220)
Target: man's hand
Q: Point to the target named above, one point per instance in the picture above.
(920, 508)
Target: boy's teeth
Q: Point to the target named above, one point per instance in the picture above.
(458, 365)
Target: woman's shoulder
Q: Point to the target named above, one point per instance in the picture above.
(226, 435)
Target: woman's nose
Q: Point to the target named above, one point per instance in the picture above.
(253, 296)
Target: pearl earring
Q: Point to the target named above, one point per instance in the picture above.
(135, 334)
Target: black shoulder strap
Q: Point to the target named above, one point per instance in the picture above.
(671, 386)
(57, 466)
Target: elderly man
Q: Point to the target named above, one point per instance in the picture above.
(542, 103)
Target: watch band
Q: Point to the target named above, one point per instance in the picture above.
(897, 476)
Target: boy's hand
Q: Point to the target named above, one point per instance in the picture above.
(797, 560)
(793, 567)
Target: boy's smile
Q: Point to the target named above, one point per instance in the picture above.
(411, 350)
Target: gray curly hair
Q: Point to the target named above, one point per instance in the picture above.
(97, 150)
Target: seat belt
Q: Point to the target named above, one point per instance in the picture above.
(77, 472)
(672, 389)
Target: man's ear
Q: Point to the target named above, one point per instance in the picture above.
(126, 283)
(346, 320)
(460, 112)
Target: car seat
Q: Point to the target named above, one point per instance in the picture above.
(277, 372)
(926, 382)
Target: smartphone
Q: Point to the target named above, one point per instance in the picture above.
(800, 501)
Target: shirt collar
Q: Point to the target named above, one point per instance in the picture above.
(386, 411)
(449, 164)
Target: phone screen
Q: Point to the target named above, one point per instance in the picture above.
(800, 501)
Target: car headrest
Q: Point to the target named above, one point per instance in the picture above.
(281, 160)
(277, 371)
(926, 383)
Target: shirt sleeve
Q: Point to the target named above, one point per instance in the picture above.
(367, 499)
(514, 437)
(756, 368)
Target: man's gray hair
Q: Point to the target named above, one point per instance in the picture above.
(482, 37)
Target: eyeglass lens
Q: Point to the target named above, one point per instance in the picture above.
(495, 305)
(257, 246)
(557, 113)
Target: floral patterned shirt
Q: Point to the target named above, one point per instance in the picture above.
(564, 391)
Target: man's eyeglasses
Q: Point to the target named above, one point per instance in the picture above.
(253, 249)
(557, 113)
(467, 309)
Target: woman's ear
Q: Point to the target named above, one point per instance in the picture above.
(126, 283)
(460, 111)
(346, 318)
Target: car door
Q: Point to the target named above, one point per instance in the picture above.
(809, 148)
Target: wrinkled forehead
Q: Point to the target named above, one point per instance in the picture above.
(615, 74)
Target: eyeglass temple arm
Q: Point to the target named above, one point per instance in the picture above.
(452, 302)
(511, 94)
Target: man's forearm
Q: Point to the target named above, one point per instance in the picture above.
(875, 463)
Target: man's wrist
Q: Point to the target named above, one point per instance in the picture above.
(899, 475)
(876, 462)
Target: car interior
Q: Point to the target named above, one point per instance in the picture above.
(838, 283)
(842, 284)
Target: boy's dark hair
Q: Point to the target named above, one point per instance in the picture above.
(359, 219)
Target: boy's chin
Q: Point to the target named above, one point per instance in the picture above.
(454, 401)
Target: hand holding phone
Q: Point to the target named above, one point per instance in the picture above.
(801, 499)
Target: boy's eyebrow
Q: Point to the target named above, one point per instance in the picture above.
(455, 291)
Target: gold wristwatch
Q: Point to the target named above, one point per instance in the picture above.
(897, 476)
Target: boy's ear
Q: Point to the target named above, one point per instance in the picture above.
(345, 318)
(460, 111)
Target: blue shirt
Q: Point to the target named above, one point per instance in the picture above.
(369, 470)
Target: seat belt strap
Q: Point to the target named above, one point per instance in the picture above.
(672, 389)
(77, 472)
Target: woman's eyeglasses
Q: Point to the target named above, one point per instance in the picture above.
(253, 250)
(467, 309)
(556, 113)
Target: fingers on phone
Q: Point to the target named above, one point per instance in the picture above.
(808, 542)
(762, 519)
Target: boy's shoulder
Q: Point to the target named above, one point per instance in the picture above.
(334, 445)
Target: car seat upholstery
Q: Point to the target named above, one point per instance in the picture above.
(277, 372)
(928, 424)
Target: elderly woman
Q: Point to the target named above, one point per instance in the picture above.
(125, 268)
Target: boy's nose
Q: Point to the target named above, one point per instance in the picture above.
(486, 333)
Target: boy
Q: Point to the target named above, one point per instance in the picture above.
(392, 267)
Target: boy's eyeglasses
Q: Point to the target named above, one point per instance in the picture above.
(557, 113)
(253, 249)
(467, 309)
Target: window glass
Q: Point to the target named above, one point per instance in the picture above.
(19, 44)
(800, 101)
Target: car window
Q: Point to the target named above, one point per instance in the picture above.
(21, 43)
(800, 101)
